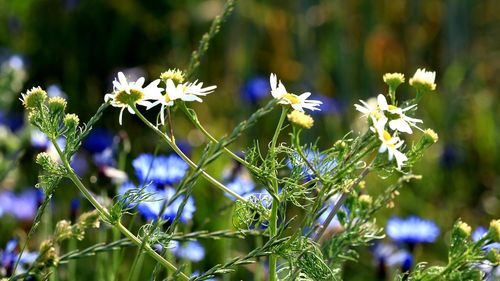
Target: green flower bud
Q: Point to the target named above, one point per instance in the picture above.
(71, 120)
(463, 229)
(57, 105)
(34, 98)
(365, 200)
(494, 231)
(175, 75)
(493, 256)
(394, 79)
(45, 160)
(430, 136)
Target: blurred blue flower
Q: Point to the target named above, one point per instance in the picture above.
(242, 184)
(190, 250)
(479, 233)
(39, 140)
(196, 273)
(320, 161)
(98, 140)
(22, 206)
(388, 256)
(151, 208)
(256, 89)
(160, 169)
(412, 230)
(11, 120)
(9, 256)
(334, 223)
(329, 105)
(79, 164)
(54, 90)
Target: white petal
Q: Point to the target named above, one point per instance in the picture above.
(272, 81)
(304, 96)
(382, 102)
(400, 125)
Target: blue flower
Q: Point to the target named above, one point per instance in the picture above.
(255, 89)
(190, 250)
(479, 233)
(241, 184)
(160, 169)
(11, 120)
(98, 140)
(39, 140)
(387, 255)
(328, 106)
(320, 161)
(412, 230)
(9, 256)
(152, 207)
(334, 223)
(54, 90)
(22, 206)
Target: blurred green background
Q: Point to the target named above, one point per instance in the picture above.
(339, 49)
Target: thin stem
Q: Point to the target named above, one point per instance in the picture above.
(105, 214)
(341, 201)
(200, 127)
(296, 144)
(186, 158)
(273, 224)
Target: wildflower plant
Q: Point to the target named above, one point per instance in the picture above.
(334, 206)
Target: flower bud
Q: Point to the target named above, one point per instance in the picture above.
(45, 160)
(71, 121)
(176, 75)
(463, 229)
(494, 231)
(340, 144)
(365, 200)
(300, 119)
(48, 255)
(424, 80)
(394, 79)
(34, 98)
(57, 105)
(63, 230)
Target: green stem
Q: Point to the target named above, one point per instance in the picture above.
(107, 217)
(191, 164)
(200, 127)
(273, 224)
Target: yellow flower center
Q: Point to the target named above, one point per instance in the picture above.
(125, 98)
(387, 136)
(293, 99)
(167, 98)
(392, 107)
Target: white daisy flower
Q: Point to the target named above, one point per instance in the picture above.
(369, 108)
(279, 92)
(398, 120)
(183, 91)
(389, 142)
(424, 79)
(125, 93)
